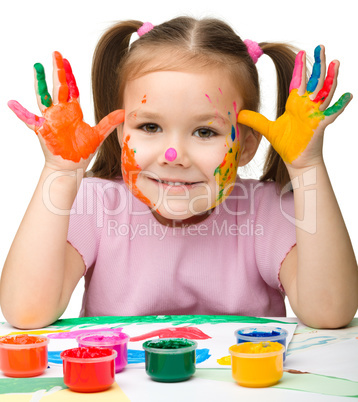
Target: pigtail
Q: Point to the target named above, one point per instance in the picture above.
(283, 57)
(111, 49)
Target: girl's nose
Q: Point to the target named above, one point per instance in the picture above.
(170, 154)
(174, 156)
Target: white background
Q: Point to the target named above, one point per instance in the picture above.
(31, 30)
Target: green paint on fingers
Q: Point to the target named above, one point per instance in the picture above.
(42, 86)
(339, 105)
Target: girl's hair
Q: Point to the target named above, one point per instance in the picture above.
(181, 44)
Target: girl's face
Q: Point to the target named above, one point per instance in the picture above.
(180, 141)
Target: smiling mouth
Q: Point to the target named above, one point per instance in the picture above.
(176, 183)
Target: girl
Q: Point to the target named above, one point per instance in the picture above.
(162, 224)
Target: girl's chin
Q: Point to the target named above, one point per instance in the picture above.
(180, 218)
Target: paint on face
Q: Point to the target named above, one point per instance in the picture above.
(131, 171)
(170, 154)
(225, 173)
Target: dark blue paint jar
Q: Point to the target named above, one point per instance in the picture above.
(262, 334)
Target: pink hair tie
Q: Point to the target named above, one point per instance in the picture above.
(254, 50)
(145, 28)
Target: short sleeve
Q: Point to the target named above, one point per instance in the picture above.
(276, 237)
(86, 221)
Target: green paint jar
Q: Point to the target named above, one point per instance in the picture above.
(170, 359)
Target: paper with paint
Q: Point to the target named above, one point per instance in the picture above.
(291, 133)
(213, 340)
(62, 126)
(63, 334)
(336, 360)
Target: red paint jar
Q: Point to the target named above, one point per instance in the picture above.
(23, 355)
(88, 369)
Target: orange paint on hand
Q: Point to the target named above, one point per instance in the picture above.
(67, 135)
(61, 75)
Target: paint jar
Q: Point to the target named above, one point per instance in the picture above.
(262, 334)
(23, 355)
(257, 365)
(111, 340)
(88, 369)
(170, 359)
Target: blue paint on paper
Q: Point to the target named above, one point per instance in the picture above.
(134, 356)
(54, 356)
(202, 355)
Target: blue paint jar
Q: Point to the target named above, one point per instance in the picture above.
(262, 334)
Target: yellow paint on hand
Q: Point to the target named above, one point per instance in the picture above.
(290, 133)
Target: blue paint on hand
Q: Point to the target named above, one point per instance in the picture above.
(316, 71)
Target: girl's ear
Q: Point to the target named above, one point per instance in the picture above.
(249, 146)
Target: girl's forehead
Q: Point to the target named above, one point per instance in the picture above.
(211, 86)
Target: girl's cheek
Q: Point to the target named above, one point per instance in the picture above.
(225, 173)
(131, 171)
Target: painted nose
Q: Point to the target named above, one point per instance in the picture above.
(170, 154)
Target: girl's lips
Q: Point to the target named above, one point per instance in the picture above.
(175, 183)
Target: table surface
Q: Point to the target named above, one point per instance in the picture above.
(216, 384)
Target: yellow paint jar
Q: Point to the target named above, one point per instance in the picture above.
(257, 365)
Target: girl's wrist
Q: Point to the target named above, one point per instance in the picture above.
(60, 186)
(295, 171)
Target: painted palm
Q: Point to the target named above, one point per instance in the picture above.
(306, 111)
(62, 126)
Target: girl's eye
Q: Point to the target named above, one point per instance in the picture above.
(150, 128)
(204, 133)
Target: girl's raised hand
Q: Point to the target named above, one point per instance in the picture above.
(297, 135)
(63, 133)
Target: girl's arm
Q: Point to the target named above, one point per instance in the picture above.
(42, 269)
(320, 274)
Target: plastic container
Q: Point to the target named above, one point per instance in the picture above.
(257, 365)
(23, 355)
(262, 334)
(111, 340)
(88, 369)
(170, 359)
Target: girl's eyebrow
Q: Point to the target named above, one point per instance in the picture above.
(144, 114)
(205, 117)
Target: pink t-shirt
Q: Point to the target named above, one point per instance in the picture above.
(227, 264)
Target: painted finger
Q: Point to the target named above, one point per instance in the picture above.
(43, 97)
(325, 95)
(30, 119)
(60, 86)
(316, 80)
(336, 109)
(73, 92)
(299, 72)
(255, 120)
(109, 123)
